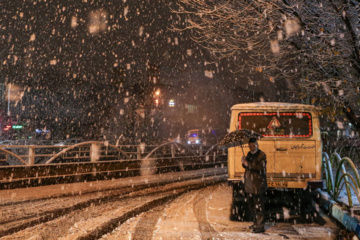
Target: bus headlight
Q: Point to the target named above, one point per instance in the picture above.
(189, 142)
(197, 141)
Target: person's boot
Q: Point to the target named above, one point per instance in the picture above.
(252, 226)
(258, 229)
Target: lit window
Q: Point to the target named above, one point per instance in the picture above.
(171, 103)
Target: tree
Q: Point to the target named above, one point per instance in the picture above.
(312, 45)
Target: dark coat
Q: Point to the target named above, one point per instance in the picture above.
(255, 173)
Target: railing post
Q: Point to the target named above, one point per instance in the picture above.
(138, 152)
(94, 152)
(172, 150)
(31, 156)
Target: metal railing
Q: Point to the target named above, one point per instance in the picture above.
(342, 177)
(90, 161)
(350, 148)
(94, 151)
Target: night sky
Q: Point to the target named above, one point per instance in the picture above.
(88, 39)
(66, 42)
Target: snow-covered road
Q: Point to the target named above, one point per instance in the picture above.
(147, 207)
(204, 214)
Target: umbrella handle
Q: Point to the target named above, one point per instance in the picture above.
(242, 150)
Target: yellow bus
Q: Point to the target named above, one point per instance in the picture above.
(291, 139)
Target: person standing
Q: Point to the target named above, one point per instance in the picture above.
(255, 184)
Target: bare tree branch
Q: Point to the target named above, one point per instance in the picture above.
(313, 45)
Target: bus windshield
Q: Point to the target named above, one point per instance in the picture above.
(193, 134)
(277, 124)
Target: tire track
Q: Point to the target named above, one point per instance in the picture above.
(115, 196)
(114, 223)
(146, 226)
(199, 208)
(42, 215)
(56, 213)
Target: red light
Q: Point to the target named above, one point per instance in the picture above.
(7, 128)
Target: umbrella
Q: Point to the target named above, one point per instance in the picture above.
(238, 138)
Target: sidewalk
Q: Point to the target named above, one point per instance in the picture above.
(348, 217)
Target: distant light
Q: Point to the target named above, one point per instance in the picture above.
(157, 102)
(7, 128)
(171, 103)
(157, 93)
(40, 131)
(197, 141)
(17, 127)
(189, 142)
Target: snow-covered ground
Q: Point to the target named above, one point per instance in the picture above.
(125, 209)
(204, 214)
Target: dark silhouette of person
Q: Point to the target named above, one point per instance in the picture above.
(255, 184)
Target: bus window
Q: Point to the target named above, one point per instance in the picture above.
(277, 124)
(194, 136)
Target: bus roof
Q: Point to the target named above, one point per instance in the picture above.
(272, 106)
(194, 130)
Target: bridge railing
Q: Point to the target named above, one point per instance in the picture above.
(92, 161)
(93, 151)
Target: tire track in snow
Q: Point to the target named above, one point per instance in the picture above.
(199, 207)
(37, 217)
(146, 226)
(114, 223)
(56, 213)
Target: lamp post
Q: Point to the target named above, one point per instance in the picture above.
(9, 98)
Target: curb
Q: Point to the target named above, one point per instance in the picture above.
(335, 210)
